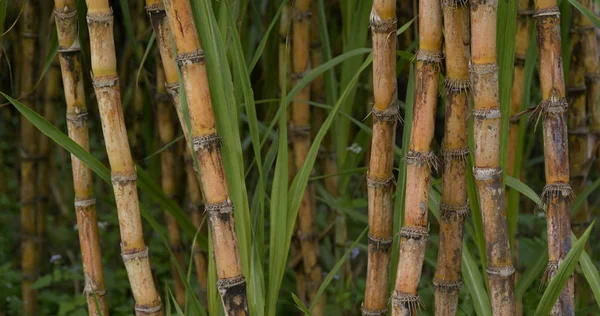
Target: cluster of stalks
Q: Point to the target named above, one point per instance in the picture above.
(380, 178)
(487, 170)
(134, 252)
(206, 146)
(454, 207)
(557, 194)
(65, 15)
(420, 161)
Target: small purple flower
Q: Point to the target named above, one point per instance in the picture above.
(354, 253)
(55, 258)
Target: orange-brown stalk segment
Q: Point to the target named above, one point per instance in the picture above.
(592, 70)
(487, 171)
(65, 16)
(557, 193)
(29, 153)
(300, 131)
(379, 177)
(206, 145)
(106, 84)
(420, 161)
(166, 133)
(455, 151)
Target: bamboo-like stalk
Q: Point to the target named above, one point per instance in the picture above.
(161, 27)
(195, 207)
(29, 154)
(557, 193)
(591, 53)
(379, 177)
(300, 132)
(166, 133)
(455, 151)
(420, 160)
(487, 171)
(106, 84)
(206, 142)
(65, 15)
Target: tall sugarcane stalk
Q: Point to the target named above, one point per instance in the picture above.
(134, 252)
(166, 133)
(29, 156)
(300, 132)
(65, 15)
(591, 53)
(160, 24)
(557, 194)
(420, 161)
(380, 179)
(487, 171)
(455, 151)
(136, 138)
(206, 145)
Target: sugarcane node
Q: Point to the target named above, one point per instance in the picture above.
(156, 9)
(456, 86)
(549, 273)
(315, 45)
(91, 287)
(455, 4)
(380, 243)
(209, 142)
(29, 202)
(30, 35)
(326, 153)
(557, 190)
(285, 39)
(576, 90)
(487, 114)
(582, 29)
(452, 211)
(415, 233)
(515, 119)
(553, 105)
(592, 77)
(379, 25)
(550, 12)
(25, 156)
(106, 18)
(486, 174)
(232, 286)
(384, 184)
(583, 224)
(190, 58)
(525, 12)
(104, 81)
(65, 13)
(162, 97)
(482, 70)
(412, 302)
(218, 209)
(143, 254)
(580, 131)
(29, 276)
(505, 271)
(144, 309)
(389, 114)
(302, 16)
(84, 203)
(306, 236)
(420, 158)
(299, 131)
(519, 60)
(78, 119)
(429, 57)
(447, 286)
(372, 312)
(460, 154)
(119, 178)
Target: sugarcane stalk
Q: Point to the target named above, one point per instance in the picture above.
(206, 143)
(455, 152)
(420, 161)
(300, 132)
(487, 171)
(29, 156)
(557, 194)
(137, 107)
(65, 15)
(134, 251)
(379, 177)
(166, 133)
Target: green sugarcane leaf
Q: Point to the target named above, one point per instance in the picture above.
(523, 188)
(336, 268)
(474, 282)
(531, 273)
(582, 197)
(300, 305)
(263, 42)
(587, 12)
(564, 272)
(145, 57)
(589, 272)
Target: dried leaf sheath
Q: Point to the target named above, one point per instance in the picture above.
(420, 161)
(379, 177)
(166, 134)
(106, 84)
(487, 171)
(557, 194)
(454, 207)
(29, 154)
(65, 15)
(206, 143)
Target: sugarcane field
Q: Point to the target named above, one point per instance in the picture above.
(299, 157)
